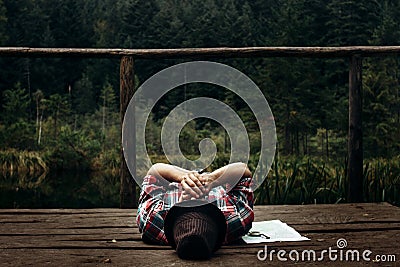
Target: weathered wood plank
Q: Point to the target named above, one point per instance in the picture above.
(341, 213)
(73, 237)
(215, 52)
(95, 257)
(134, 240)
(100, 211)
(280, 209)
(296, 215)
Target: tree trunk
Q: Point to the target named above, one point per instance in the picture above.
(37, 119)
(327, 143)
(297, 142)
(40, 128)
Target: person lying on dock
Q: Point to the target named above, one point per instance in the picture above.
(195, 212)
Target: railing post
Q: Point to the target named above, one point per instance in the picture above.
(355, 144)
(127, 89)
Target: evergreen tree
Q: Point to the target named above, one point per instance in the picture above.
(108, 105)
(18, 131)
(56, 107)
(381, 101)
(4, 74)
(381, 107)
(3, 21)
(83, 97)
(305, 95)
(351, 22)
(387, 30)
(15, 105)
(137, 31)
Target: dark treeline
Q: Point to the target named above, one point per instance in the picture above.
(69, 106)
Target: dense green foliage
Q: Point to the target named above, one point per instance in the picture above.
(292, 180)
(67, 109)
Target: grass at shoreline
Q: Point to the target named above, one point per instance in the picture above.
(291, 180)
(313, 181)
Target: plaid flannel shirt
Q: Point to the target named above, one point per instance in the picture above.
(158, 196)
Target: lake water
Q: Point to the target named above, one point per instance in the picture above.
(63, 189)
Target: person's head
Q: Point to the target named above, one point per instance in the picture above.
(195, 228)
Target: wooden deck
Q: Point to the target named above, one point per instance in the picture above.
(109, 237)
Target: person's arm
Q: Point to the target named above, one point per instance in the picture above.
(238, 201)
(189, 180)
(169, 172)
(230, 174)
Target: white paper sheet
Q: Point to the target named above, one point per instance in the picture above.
(275, 230)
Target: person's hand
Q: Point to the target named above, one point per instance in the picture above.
(184, 196)
(206, 179)
(192, 187)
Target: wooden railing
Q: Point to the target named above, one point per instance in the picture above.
(222, 52)
(127, 89)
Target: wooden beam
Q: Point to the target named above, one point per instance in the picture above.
(214, 52)
(127, 90)
(355, 141)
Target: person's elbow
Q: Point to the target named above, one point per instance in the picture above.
(155, 169)
(246, 172)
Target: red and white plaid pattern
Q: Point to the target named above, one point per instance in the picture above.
(157, 197)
